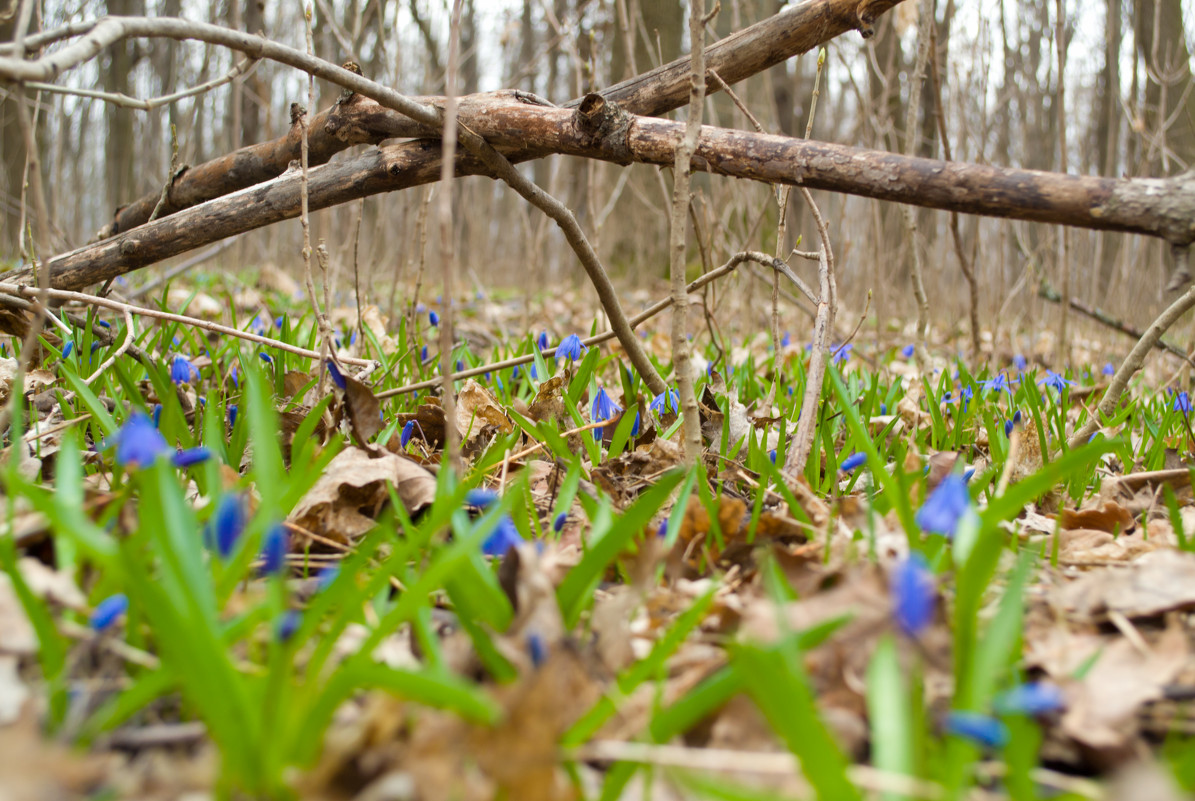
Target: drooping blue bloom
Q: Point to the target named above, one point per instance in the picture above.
(1109, 369)
(265, 357)
(1182, 403)
(570, 348)
(279, 320)
(139, 443)
(997, 384)
(191, 456)
(504, 537)
(1020, 362)
(423, 353)
(353, 338)
(1055, 380)
(559, 522)
(534, 373)
(982, 729)
(945, 506)
(843, 354)
(883, 408)
(433, 318)
(274, 548)
(968, 473)
(772, 455)
(104, 324)
(228, 523)
(155, 414)
(635, 425)
(1033, 698)
(68, 348)
(324, 579)
(604, 408)
(537, 649)
(288, 624)
(407, 430)
(853, 461)
(1016, 416)
(95, 346)
(543, 340)
(1008, 424)
(108, 611)
(481, 497)
(337, 376)
(907, 351)
(913, 594)
(666, 401)
(965, 395)
(232, 415)
(662, 530)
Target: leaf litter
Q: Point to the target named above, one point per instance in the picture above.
(591, 630)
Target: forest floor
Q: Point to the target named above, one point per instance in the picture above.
(234, 570)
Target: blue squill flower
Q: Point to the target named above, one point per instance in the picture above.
(945, 506)
(537, 649)
(965, 395)
(288, 624)
(407, 430)
(570, 348)
(232, 415)
(182, 371)
(851, 462)
(227, 523)
(191, 456)
(559, 522)
(1008, 426)
(433, 318)
(997, 384)
(635, 425)
(139, 443)
(982, 729)
(786, 340)
(104, 324)
(504, 537)
(279, 320)
(481, 497)
(265, 357)
(907, 351)
(324, 579)
(337, 376)
(542, 341)
(274, 548)
(772, 455)
(156, 415)
(1020, 362)
(843, 354)
(1109, 369)
(108, 611)
(913, 594)
(666, 401)
(1055, 380)
(1182, 403)
(423, 353)
(604, 408)
(1033, 698)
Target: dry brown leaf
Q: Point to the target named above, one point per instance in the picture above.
(476, 409)
(364, 410)
(1160, 581)
(1101, 708)
(1111, 517)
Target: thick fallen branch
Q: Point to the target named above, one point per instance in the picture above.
(1163, 207)
(796, 30)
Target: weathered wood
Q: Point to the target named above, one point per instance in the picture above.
(1163, 207)
(357, 120)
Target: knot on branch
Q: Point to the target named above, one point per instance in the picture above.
(606, 123)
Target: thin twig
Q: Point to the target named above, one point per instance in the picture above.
(116, 354)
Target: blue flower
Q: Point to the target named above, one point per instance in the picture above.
(1019, 362)
(279, 320)
(635, 425)
(337, 376)
(666, 401)
(274, 549)
(1182, 403)
(407, 430)
(965, 395)
(423, 353)
(1000, 382)
(907, 351)
(288, 624)
(786, 340)
(324, 579)
(156, 415)
(265, 357)
(913, 594)
(139, 443)
(604, 408)
(433, 318)
(1109, 369)
(182, 371)
(559, 522)
(191, 456)
(1033, 698)
(104, 324)
(534, 373)
(945, 506)
(982, 729)
(883, 408)
(1016, 417)
(1055, 380)
(570, 348)
(68, 348)
(108, 611)
(1008, 424)
(227, 524)
(543, 340)
(851, 462)
(772, 455)
(504, 537)
(259, 326)
(537, 649)
(843, 354)
(481, 498)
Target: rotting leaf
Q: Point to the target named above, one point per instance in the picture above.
(364, 410)
(1160, 581)
(548, 404)
(1111, 517)
(477, 408)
